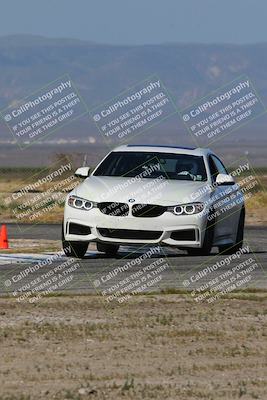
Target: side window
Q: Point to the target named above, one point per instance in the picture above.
(219, 165)
(213, 169)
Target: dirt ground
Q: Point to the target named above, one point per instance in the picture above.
(162, 346)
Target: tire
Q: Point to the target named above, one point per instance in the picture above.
(73, 249)
(233, 248)
(207, 242)
(109, 249)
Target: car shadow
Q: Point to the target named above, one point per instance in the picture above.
(135, 254)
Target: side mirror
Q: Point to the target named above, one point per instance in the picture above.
(82, 172)
(224, 179)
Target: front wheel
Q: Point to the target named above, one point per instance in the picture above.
(208, 239)
(233, 248)
(73, 249)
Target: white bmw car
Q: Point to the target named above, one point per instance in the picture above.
(166, 195)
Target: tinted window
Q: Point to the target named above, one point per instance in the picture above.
(213, 169)
(216, 167)
(219, 165)
(151, 165)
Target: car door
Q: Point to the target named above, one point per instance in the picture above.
(225, 203)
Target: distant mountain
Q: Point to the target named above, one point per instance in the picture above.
(101, 71)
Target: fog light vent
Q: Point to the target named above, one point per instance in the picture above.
(77, 229)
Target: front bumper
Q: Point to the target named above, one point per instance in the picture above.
(165, 225)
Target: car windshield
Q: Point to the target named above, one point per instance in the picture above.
(152, 165)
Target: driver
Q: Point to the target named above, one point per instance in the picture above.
(185, 169)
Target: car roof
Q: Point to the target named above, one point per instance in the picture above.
(197, 151)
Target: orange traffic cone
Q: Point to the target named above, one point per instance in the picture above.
(3, 238)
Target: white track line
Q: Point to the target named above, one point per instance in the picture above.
(35, 257)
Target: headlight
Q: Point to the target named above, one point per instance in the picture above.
(187, 209)
(79, 203)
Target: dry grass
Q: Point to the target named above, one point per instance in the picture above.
(256, 208)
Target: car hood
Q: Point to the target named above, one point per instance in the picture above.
(148, 191)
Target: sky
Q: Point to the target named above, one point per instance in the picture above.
(138, 21)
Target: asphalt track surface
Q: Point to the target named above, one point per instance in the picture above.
(166, 268)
